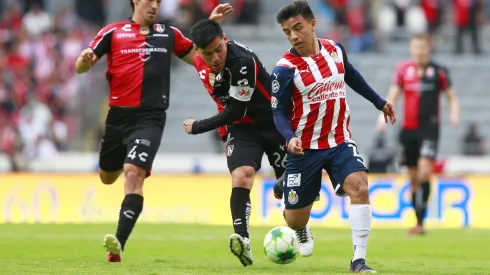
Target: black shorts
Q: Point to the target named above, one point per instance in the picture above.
(246, 147)
(417, 144)
(130, 138)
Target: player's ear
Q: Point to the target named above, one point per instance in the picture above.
(225, 37)
(313, 24)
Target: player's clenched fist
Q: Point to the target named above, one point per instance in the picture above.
(88, 56)
(188, 125)
(295, 146)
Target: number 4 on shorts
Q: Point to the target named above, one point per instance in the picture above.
(132, 154)
(356, 154)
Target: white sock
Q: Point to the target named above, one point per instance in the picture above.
(360, 223)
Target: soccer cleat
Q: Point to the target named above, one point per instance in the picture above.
(240, 247)
(113, 258)
(305, 241)
(417, 230)
(278, 190)
(113, 246)
(359, 266)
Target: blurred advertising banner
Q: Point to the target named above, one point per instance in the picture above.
(204, 199)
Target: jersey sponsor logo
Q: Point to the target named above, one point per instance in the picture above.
(159, 28)
(294, 180)
(160, 35)
(126, 35)
(325, 91)
(274, 102)
(244, 92)
(293, 197)
(307, 70)
(275, 86)
(144, 50)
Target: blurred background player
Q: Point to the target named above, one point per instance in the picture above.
(137, 114)
(421, 81)
(311, 112)
(242, 84)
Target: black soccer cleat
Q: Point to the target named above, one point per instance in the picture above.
(279, 188)
(359, 266)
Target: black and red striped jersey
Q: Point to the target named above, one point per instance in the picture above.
(138, 61)
(421, 89)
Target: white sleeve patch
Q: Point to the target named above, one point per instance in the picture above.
(243, 93)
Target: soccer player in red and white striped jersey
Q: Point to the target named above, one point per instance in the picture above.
(311, 112)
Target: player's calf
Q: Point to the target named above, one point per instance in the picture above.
(132, 204)
(360, 217)
(240, 205)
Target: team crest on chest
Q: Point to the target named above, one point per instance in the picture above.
(212, 78)
(335, 56)
(159, 28)
(430, 72)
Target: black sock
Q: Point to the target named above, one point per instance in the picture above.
(240, 210)
(131, 208)
(425, 190)
(417, 205)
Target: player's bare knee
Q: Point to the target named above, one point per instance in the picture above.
(108, 177)
(135, 176)
(243, 177)
(425, 170)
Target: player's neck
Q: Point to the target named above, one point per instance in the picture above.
(313, 50)
(140, 20)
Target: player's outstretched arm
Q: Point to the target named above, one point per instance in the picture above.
(447, 88)
(242, 86)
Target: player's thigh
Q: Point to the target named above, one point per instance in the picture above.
(142, 145)
(277, 156)
(428, 154)
(112, 152)
(243, 149)
(343, 162)
(303, 179)
(411, 148)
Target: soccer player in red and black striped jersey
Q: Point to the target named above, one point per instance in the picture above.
(422, 82)
(242, 84)
(138, 71)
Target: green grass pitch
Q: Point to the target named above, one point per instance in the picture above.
(196, 249)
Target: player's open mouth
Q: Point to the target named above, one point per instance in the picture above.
(298, 44)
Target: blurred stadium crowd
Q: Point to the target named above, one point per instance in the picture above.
(45, 108)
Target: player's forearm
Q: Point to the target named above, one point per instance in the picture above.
(283, 125)
(227, 117)
(355, 80)
(454, 106)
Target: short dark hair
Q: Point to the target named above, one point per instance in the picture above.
(299, 7)
(204, 32)
(132, 4)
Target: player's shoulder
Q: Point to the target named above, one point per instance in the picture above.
(403, 65)
(237, 50)
(123, 25)
(199, 63)
(438, 66)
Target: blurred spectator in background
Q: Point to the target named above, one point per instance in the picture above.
(36, 21)
(381, 157)
(468, 17)
(401, 7)
(246, 11)
(433, 10)
(473, 143)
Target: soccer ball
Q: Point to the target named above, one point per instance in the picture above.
(281, 245)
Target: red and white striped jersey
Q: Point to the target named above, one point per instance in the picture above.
(312, 92)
